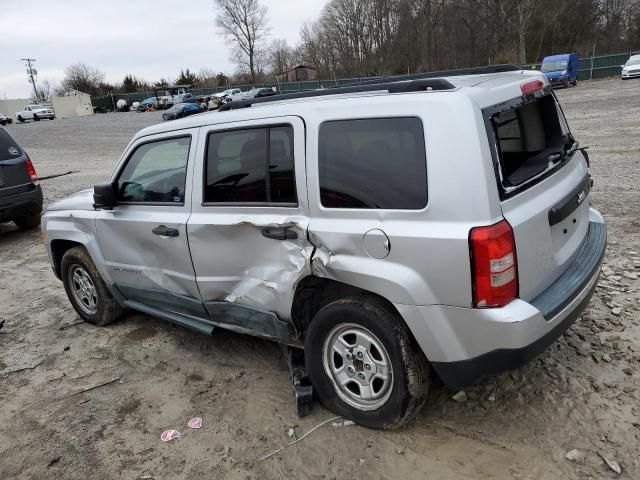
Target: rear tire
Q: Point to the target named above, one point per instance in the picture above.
(364, 363)
(36, 118)
(86, 291)
(28, 222)
(20, 119)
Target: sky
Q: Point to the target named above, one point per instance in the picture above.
(150, 39)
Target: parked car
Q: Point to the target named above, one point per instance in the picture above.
(148, 103)
(20, 192)
(35, 112)
(320, 222)
(259, 93)
(181, 110)
(4, 120)
(631, 68)
(561, 70)
(228, 95)
(182, 98)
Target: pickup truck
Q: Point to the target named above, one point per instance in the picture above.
(35, 112)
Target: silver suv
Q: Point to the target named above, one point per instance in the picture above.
(389, 229)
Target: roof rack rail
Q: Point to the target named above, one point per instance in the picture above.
(499, 68)
(391, 87)
(405, 83)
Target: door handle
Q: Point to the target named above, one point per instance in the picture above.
(165, 231)
(279, 233)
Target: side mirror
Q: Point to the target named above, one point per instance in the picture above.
(104, 196)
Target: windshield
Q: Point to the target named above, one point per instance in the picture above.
(635, 61)
(554, 66)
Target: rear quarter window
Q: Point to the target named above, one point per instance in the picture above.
(9, 149)
(377, 163)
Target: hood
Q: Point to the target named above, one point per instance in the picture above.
(79, 201)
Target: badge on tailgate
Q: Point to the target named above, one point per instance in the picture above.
(569, 203)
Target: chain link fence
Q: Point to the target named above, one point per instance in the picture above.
(590, 68)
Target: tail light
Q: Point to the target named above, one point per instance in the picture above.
(494, 265)
(31, 171)
(531, 87)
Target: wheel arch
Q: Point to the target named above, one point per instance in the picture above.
(58, 248)
(63, 235)
(314, 292)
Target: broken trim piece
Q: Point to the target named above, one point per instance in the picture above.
(253, 321)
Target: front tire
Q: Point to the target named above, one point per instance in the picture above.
(86, 291)
(364, 364)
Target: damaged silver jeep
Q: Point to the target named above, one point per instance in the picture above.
(392, 230)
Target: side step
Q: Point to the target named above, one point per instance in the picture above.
(175, 318)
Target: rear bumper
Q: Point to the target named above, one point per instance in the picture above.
(22, 204)
(465, 344)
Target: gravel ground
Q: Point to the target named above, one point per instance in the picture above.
(582, 394)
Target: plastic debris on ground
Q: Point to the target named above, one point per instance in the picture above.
(195, 423)
(169, 435)
(343, 423)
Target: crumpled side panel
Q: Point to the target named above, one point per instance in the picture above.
(235, 263)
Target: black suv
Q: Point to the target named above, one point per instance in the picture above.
(20, 193)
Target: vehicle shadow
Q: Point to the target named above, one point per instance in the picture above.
(9, 233)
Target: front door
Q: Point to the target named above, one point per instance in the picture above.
(144, 238)
(248, 229)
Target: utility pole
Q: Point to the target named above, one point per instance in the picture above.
(31, 72)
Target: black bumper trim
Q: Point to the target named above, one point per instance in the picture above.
(456, 375)
(569, 285)
(550, 303)
(22, 204)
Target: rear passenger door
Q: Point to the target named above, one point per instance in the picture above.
(144, 238)
(248, 229)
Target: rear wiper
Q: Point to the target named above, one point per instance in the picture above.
(561, 155)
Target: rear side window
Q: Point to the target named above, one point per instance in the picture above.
(251, 166)
(530, 138)
(377, 163)
(156, 172)
(9, 149)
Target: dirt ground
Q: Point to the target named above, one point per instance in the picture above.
(583, 393)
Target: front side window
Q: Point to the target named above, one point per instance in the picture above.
(156, 172)
(377, 163)
(253, 165)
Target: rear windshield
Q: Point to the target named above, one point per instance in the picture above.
(8, 147)
(531, 139)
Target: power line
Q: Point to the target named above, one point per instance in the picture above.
(31, 73)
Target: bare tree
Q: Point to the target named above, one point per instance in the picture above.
(281, 56)
(83, 78)
(244, 26)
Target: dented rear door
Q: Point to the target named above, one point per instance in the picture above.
(248, 228)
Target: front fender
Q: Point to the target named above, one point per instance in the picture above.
(78, 227)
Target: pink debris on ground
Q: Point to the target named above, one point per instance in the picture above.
(195, 423)
(169, 435)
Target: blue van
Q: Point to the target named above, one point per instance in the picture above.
(561, 70)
